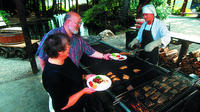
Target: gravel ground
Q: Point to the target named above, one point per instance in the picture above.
(14, 68)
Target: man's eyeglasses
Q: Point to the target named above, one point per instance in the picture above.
(77, 23)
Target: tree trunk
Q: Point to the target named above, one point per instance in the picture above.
(173, 4)
(77, 6)
(53, 6)
(124, 10)
(169, 2)
(87, 2)
(36, 8)
(139, 7)
(69, 5)
(65, 5)
(43, 8)
(31, 56)
(95, 2)
(184, 7)
(72, 5)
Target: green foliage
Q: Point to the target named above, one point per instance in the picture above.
(4, 16)
(176, 12)
(102, 15)
(133, 5)
(162, 9)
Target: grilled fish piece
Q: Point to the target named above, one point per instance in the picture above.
(182, 87)
(136, 93)
(109, 73)
(155, 83)
(123, 67)
(126, 77)
(147, 88)
(175, 77)
(172, 93)
(125, 53)
(149, 103)
(150, 92)
(164, 79)
(162, 85)
(113, 76)
(155, 95)
(162, 99)
(167, 88)
(171, 80)
(115, 79)
(136, 70)
(175, 83)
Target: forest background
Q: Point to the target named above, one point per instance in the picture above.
(115, 15)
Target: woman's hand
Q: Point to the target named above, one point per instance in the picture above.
(88, 90)
(86, 77)
(107, 56)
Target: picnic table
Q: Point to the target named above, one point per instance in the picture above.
(185, 40)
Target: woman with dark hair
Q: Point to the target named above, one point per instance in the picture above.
(62, 79)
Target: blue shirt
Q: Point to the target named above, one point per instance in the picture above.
(78, 46)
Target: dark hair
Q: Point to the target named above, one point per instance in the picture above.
(55, 43)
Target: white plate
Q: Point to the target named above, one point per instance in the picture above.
(103, 85)
(113, 56)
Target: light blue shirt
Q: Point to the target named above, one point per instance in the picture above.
(159, 30)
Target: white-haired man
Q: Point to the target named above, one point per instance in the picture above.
(152, 35)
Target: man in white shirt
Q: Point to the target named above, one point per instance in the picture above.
(152, 34)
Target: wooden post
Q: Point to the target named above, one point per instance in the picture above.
(21, 14)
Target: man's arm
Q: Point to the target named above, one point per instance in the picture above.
(75, 97)
(99, 55)
(42, 63)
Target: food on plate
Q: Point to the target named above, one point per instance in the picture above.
(109, 73)
(93, 85)
(123, 67)
(98, 79)
(113, 76)
(125, 53)
(126, 77)
(116, 79)
(136, 70)
(117, 56)
(99, 82)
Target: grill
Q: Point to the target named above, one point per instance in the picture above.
(159, 93)
(154, 88)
